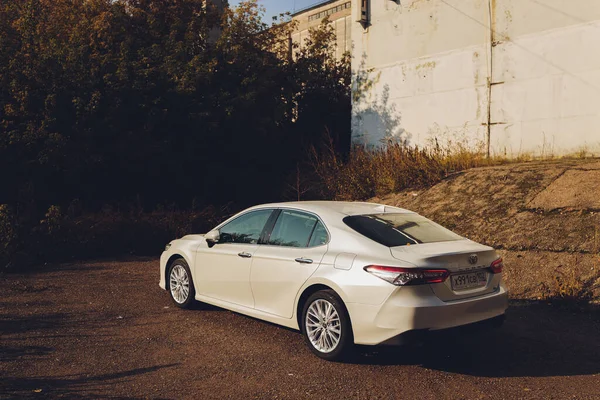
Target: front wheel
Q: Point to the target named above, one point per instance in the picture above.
(326, 326)
(181, 286)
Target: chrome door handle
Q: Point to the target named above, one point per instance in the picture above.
(304, 260)
(245, 255)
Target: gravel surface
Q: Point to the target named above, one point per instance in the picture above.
(105, 329)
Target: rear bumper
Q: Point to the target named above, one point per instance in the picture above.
(418, 309)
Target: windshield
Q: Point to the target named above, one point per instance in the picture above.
(393, 230)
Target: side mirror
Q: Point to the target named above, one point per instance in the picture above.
(212, 237)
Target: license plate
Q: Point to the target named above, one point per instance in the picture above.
(469, 281)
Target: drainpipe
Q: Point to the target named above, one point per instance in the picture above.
(490, 80)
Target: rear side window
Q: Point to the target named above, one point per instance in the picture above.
(319, 236)
(294, 229)
(393, 230)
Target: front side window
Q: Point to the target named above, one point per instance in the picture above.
(246, 228)
(293, 229)
(393, 230)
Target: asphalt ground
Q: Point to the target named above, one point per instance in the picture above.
(105, 329)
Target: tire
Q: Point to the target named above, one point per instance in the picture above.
(180, 284)
(322, 335)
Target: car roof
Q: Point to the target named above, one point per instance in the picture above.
(337, 207)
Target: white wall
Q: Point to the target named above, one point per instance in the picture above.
(434, 59)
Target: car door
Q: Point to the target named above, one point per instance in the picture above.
(223, 270)
(289, 256)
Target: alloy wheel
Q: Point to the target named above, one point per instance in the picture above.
(179, 283)
(323, 326)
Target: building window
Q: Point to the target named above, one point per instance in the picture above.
(365, 13)
(330, 11)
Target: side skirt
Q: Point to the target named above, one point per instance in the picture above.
(251, 312)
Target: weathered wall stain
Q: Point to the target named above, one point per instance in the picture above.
(415, 4)
(427, 65)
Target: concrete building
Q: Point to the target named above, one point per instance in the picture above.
(216, 9)
(519, 76)
(339, 14)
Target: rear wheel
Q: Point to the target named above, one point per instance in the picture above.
(181, 286)
(326, 326)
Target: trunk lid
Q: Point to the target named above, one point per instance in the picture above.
(466, 260)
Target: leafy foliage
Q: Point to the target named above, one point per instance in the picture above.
(8, 232)
(136, 104)
(111, 101)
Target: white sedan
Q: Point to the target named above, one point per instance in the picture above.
(343, 273)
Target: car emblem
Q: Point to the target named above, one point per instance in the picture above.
(473, 259)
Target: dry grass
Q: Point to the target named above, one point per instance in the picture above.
(569, 288)
(376, 172)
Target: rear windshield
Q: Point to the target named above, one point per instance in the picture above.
(393, 230)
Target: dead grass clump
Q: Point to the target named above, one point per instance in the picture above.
(569, 288)
(370, 172)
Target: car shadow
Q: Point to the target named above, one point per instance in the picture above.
(536, 340)
(200, 306)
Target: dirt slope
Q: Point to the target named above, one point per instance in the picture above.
(543, 216)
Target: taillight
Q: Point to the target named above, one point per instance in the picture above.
(497, 266)
(408, 276)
